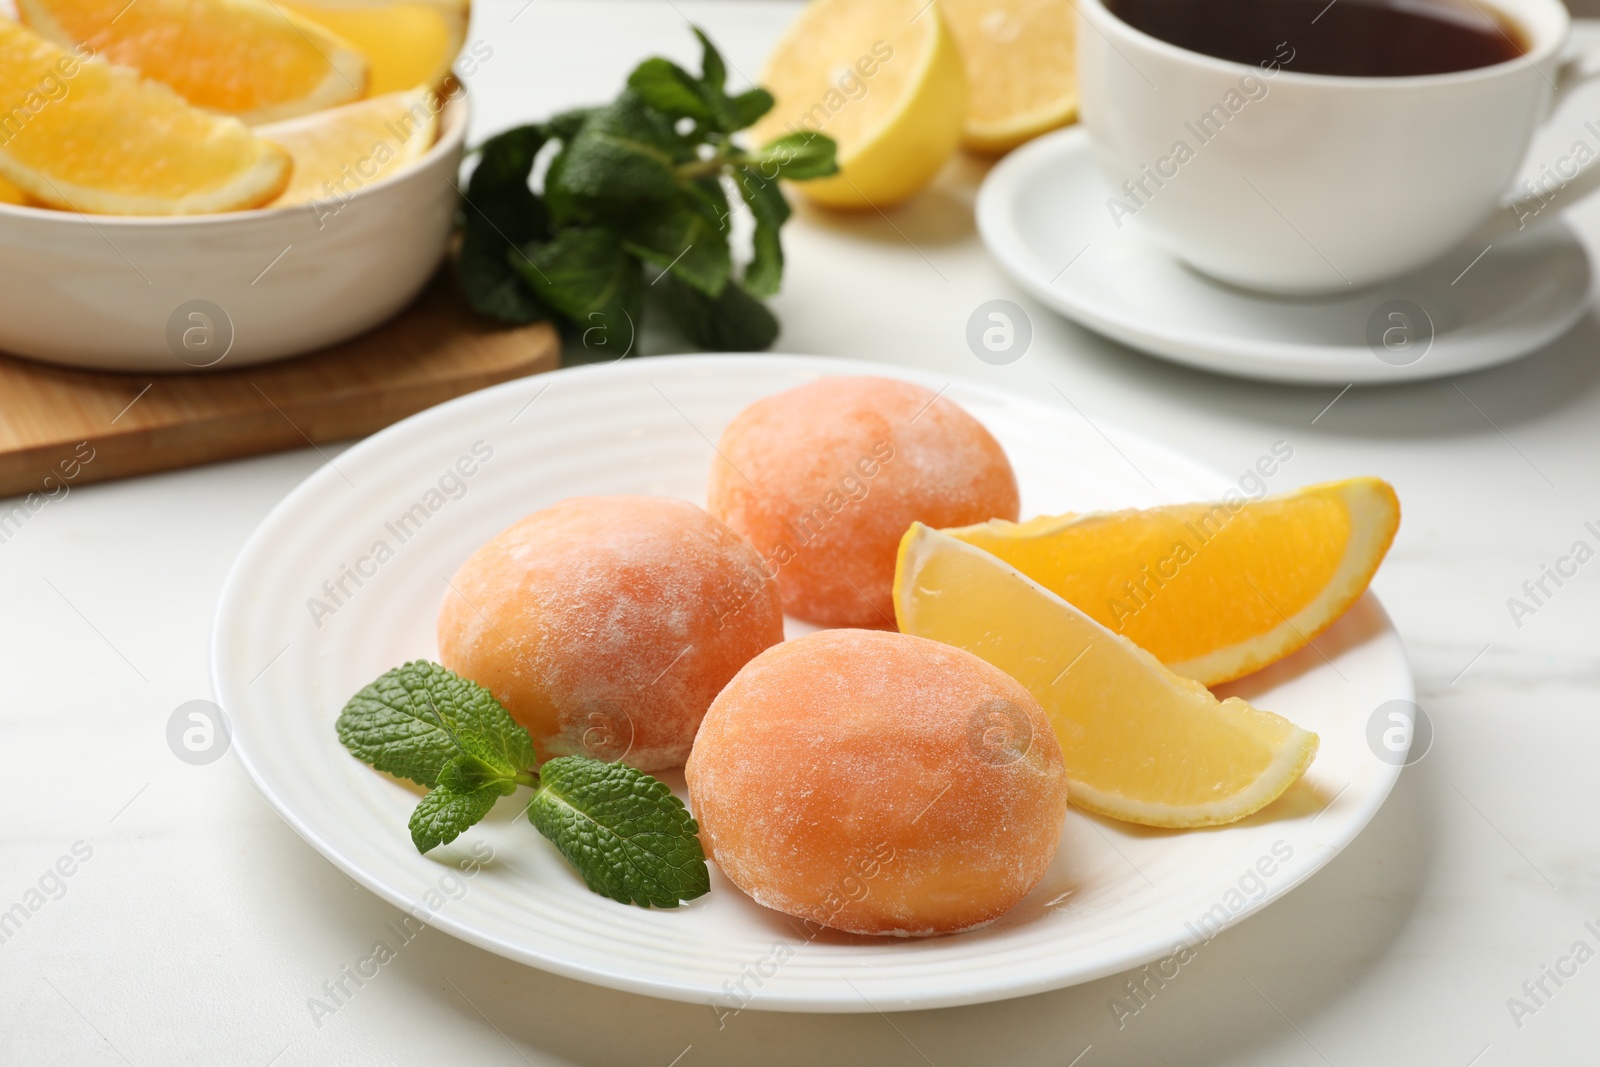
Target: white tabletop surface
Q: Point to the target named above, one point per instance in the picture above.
(200, 924)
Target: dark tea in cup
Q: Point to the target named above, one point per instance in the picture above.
(1349, 38)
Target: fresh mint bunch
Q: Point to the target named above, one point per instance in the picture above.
(623, 830)
(637, 195)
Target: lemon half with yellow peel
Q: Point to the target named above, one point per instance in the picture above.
(884, 79)
(1022, 68)
(1141, 743)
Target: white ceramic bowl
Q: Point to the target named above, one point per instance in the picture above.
(127, 293)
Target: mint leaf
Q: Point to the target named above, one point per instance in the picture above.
(444, 814)
(493, 286)
(749, 106)
(468, 773)
(733, 321)
(686, 238)
(798, 157)
(624, 153)
(499, 213)
(585, 274)
(670, 89)
(415, 719)
(565, 126)
(764, 273)
(713, 71)
(624, 831)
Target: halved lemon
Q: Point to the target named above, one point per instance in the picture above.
(340, 151)
(407, 42)
(1141, 743)
(1214, 590)
(884, 79)
(89, 136)
(244, 58)
(1022, 68)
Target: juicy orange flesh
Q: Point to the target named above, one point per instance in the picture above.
(847, 74)
(1126, 725)
(1020, 55)
(1185, 580)
(407, 44)
(202, 49)
(343, 149)
(107, 130)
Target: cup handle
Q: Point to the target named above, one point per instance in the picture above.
(1522, 212)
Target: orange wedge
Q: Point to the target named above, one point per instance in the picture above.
(407, 42)
(244, 58)
(1217, 590)
(339, 151)
(1141, 743)
(89, 136)
(1022, 68)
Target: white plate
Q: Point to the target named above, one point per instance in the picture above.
(1042, 213)
(1115, 897)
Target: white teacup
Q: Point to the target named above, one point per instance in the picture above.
(1306, 183)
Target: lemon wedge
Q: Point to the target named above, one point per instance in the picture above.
(1141, 743)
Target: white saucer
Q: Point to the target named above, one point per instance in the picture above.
(1043, 207)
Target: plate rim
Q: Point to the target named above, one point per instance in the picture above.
(1153, 946)
(1294, 363)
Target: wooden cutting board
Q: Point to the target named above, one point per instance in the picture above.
(60, 425)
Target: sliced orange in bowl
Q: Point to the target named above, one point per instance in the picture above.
(246, 58)
(1214, 590)
(407, 42)
(89, 136)
(342, 150)
(1141, 743)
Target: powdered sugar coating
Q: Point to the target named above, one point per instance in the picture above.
(825, 478)
(878, 783)
(606, 625)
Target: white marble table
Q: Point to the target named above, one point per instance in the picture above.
(199, 924)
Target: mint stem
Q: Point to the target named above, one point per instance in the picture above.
(525, 778)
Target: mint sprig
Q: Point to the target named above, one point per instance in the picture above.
(414, 720)
(636, 191)
(624, 831)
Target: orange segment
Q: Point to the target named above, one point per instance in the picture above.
(244, 58)
(1216, 590)
(340, 151)
(88, 136)
(1140, 743)
(407, 42)
(1022, 68)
